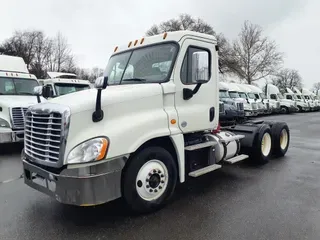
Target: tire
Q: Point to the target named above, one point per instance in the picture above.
(261, 153)
(144, 189)
(300, 109)
(280, 138)
(284, 110)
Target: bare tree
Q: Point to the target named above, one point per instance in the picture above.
(316, 88)
(187, 22)
(287, 78)
(254, 56)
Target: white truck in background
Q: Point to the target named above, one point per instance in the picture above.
(286, 105)
(136, 137)
(262, 104)
(16, 95)
(302, 105)
(307, 94)
(250, 98)
(64, 83)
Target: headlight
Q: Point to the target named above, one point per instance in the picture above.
(4, 123)
(89, 151)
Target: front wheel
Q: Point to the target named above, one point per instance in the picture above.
(149, 180)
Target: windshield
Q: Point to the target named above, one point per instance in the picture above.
(145, 65)
(298, 96)
(242, 95)
(223, 94)
(306, 97)
(251, 95)
(280, 95)
(262, 96)
(65, 88)
(17, 86)
(234, 94)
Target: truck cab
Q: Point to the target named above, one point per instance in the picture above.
(64, 83)
(286, 105)
(260, 99)
(246, 94)
(16, 95)
(306, 93)
(302, 105)
(151, 122)
(233, 107)
(315, 100)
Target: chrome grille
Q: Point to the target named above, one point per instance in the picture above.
(254, 106)
(240, 106)
(42, 136)
(18, 117)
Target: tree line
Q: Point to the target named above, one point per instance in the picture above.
(44, 54)
(250, 57)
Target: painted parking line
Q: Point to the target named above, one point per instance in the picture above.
(11, 179)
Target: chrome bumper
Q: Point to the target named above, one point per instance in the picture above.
(251, 113)
(11, 136)
(86, 186)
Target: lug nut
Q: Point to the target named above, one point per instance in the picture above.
(154, 171)
(147, 186)
(162, 175)
(162, 181)
(155, 190)
(159, 171)
(150, 190)
(147, 180)
(160, 187)
(139, 183)
(150, 174)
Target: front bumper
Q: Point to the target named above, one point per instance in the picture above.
(293, 109)
(11, 136)
(85, 186)
(251, 113)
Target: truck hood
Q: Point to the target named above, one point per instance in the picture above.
(18, 101)
(86, 100)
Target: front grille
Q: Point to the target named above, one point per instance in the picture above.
(43, 136)
(18, 117)
(295, 104)
(254, 106)
(240, 106)
(260, 105)
(278, 104)
(221, 108)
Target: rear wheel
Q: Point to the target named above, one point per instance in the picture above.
(281, 138)
(284, 109)
(262, 148)
(149, 180)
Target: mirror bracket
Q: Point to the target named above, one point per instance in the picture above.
(188, 93)
(100, 84)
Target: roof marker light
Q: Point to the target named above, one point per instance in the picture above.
(135, 42)
(142, 40)
(129, 44)
(115, 49)
(165, 35)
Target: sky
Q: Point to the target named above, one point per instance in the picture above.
(93, 28)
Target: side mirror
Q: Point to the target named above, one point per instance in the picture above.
(101, 83)
(200, 71)
(46, 91)
(37, 91)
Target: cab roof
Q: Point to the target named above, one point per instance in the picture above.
(13, 64)
(163, 37)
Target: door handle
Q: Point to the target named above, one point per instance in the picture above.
(211, 114)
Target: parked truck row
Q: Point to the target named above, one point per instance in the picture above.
(243, 100)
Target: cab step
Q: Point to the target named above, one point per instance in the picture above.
(200, 145)
(236, 159)
(204, 170)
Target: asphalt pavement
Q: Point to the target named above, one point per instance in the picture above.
(279, 200)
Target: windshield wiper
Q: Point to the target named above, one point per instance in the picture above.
(135, 79)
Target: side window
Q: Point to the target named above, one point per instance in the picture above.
(195, 66)
(273, 96)
(51, 89)
(289, 97)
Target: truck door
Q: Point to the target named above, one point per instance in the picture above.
(197, 61)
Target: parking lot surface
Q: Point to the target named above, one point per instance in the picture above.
(279, 200)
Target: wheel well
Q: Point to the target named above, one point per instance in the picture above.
(164, 142)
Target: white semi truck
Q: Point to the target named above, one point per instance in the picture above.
(302, 105)
(64, 83)
(136, 137)
(286, 105)
(16, 95)
(307, 94)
